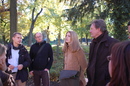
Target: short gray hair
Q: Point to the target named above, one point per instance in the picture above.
(100, 23)
(37, 33)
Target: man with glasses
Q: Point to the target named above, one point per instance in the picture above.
(42, 57)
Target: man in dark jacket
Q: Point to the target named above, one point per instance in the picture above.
(97, 71)
(18, 60)
(42, 57)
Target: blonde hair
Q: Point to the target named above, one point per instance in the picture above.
(74, 44)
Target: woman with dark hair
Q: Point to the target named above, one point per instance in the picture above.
(119, 64)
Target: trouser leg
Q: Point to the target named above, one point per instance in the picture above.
(45, 78)
(37, 78)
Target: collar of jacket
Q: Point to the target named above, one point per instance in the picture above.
(16, 48)
(9, 50)
(43, 42)
(102, 37)
(105, 37)
(98, 39)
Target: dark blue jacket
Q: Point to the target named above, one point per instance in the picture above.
(24, 59)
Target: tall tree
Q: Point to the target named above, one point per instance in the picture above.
(120, 15)
(4, 21)
(117, 10)
(32, 25)
(13, 17)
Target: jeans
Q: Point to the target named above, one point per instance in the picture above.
(41, 76)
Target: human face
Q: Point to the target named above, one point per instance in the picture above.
(17, 39)
(95, 32)
(68, 38)
(38, 37)
(129, 28)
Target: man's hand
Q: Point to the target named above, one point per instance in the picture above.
(31, 73)
(46, 70)
(20, 66)
(11, 67)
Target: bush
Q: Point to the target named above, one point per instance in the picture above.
(57, 63)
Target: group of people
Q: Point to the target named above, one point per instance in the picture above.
(16, 61)
(108, 63)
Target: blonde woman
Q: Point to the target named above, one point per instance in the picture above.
(74, 57)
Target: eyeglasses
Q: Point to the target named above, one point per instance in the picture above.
(109, 58)
(38, 37)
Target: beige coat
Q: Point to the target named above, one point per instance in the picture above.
(75, 60)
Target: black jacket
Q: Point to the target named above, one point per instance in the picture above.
(24, 59)
(43, 59)
(97, 71)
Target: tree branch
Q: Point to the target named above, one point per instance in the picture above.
(38, 14)
(33, 13)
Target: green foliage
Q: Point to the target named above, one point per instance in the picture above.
(116, 10)
(120, 16)
(57, 64)
(4, 21)
(86, 49)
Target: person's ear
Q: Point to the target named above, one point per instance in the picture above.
(3, 66)
(12, 38)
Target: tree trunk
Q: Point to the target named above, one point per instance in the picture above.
(81, 41)
(30, 35)
(13, 17)
(4, 41)
(59, 37)
(58, 44)
(86, 39)
(47, 32)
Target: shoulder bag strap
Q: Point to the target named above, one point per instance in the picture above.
(40, 49)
